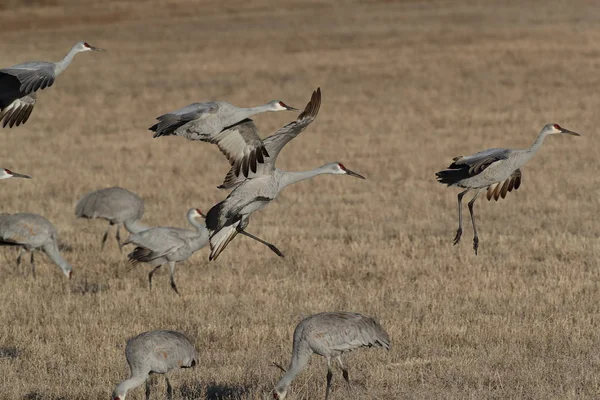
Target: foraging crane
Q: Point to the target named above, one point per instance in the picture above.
(32, 232)
(166, 245)
(211, 122)
(229, 217)
(330, 334)
(155, 352)
(7, 173)
(497, 170)
(116, 205)
(19, 83)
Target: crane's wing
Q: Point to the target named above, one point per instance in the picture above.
(30, 76)
(17, 112)
(345, 331)
(465, 167)
(501, 188)
(169, 123)
(20, 228)
(274, 143)
(154, 243)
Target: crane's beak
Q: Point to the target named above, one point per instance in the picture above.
(354, 174)
(15, 175)
(291, 108)
(568, 132)
(96, 48)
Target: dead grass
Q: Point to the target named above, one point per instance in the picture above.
(406, 86)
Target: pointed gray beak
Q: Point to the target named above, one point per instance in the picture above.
(15, 175)
(568, 132)
(96, 48)
(354, 174)
(291, 108)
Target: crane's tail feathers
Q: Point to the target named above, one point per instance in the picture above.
(220, 239)
(140, 255)
(167, 125)
(453, 176)
(500, 189)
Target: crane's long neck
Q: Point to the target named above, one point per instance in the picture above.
(51, 249)
(522, 156)
(128, 384)
(65, 62)
(135, 226)
(300, 357)
(243, 113)
(289, 178)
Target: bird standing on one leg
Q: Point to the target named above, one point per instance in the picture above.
(497, 170)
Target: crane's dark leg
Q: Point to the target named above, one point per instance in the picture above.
(118, 236)
(148, 388)
(169, 389)
(150, 276)
(105, 237)
(19, 257)
(344, 372)
(459, 230)
(32, 264)
(475, 237)
(172, 269)
(269, 245)
(329, 377)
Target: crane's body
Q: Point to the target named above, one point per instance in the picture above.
(330, 334)
(19, 84)
(261, 186)
(32, 232)
(497, 170)
(155, 352)
(116, 205)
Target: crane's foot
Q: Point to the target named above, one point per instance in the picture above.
(458, 235)
(174, 287)
(475, 244)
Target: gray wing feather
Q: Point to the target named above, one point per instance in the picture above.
(33, 76)
(480, 161)
(114, 204)
(161, 241)
(18, 111)
(24, 228)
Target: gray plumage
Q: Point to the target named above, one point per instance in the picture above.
(19, 83)
(228, 218)
(218, 122)
(116, 205)
(32, 232)
(330, 334)
(155, 352)
(497, 170)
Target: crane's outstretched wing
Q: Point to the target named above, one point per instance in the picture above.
(17, 112)
(31, 77)
(274, 143)
(469, 166)
(500, 188)
(170, 122)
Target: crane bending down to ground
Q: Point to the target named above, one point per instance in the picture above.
(32, 232)
(7, 173)
(330, 334)
(19, 83)
(262, 186)
(210, 122)
(497, 170)
(116, 205)
(166, 245)
(155, 352)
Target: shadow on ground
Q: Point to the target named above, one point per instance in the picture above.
(213, 391)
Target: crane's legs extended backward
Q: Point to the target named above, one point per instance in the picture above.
(269, 245)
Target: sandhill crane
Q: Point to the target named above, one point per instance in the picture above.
(497, 170)
(116, 205)
(166, 245)
(32, 232)
(7, 173)
(155, 352)
(210, 122)
(262, 185)
(19, 83)
(330, 334)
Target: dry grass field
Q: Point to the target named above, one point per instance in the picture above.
(407, 85)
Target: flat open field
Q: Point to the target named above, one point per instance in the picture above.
(407, 86)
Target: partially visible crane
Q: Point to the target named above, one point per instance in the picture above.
(497, 170)
(166, 245)
(116, 205)
(32, 232)
(19, 83)
(330, 334)
(262, 185)
(155, 352)
(7, 173)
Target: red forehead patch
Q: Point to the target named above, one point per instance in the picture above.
(556, 126)
(342, 166)
(8, 171)
(282, 104)
(86, 45)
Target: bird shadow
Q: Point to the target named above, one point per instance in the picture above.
(213, 391)
(9, 352)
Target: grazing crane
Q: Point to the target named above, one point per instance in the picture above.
(116, 205)
(211, 122)
(330, 334)
(497, 170)
(7, 173)
(32, 232)
(262, 185)
(155, 352)
(19, 83)
(166, 245)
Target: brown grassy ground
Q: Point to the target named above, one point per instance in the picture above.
(406, 86)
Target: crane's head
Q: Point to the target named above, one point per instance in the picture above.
(84, 46)
(555, 129)
(279, 393)
(194, 213)
(7, 173)
(120, 392)
(338, 168)
(276, 105)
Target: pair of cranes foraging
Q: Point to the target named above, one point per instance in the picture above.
(328, 334)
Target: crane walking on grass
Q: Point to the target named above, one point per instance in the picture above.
(19, 84)
(231, 216)
(116, 205)
(166, 245)
(32, 232)
(155, 352)
(330, 334)
(497, 170)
